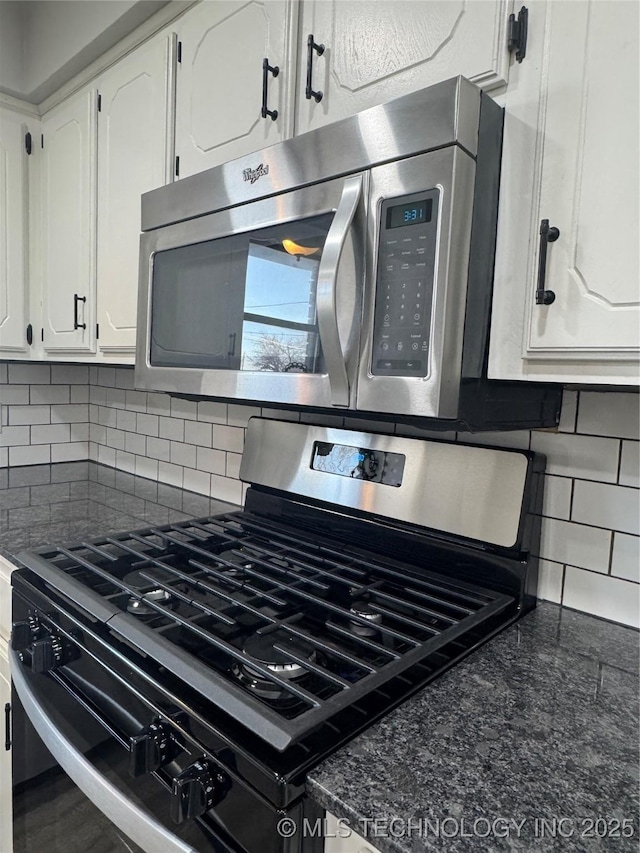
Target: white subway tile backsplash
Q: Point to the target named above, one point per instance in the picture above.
(73, 374)
(34, 454)
(575, 544)
(48, 394)
(72, 452)
(183, 454)
(625, 562)
(196, 432)
(602, 413)
(14, 395)
(602, 505)
(630, 464)
(213, 461)
(75, 412)
(581, 456)
(228, 438)
(147, 424)
(69, 414)
(126, 420)
(184, 409)
(29, 374)
(550, 578)
(607, 597)
(171, 474)
(557, 497)
(171, 428)
(29, 415)
(215, 413)
(50, 434)
(197, 481)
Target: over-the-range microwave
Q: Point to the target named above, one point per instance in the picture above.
(349, 268)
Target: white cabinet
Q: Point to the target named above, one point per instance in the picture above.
(13, 233)
(340, 838)
(68, 232)
(135, 150)
(573, 120)
(6, 832)
(219, 80)
(376, 50)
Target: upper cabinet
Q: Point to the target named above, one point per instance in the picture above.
(221, 77)
(573, 119)
(135, 154)
(13, 208)
(68, 232)
(374, 50)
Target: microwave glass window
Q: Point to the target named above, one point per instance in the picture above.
(244, 302)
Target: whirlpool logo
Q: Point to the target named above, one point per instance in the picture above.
(253, 174)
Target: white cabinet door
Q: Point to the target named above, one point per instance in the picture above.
(571, 157)
(134, 153)
(13, 208)
(589, 183)
(376, 50)
(6, 817)
(219, 80)
(68, 225)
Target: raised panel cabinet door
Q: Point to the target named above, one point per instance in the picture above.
(13, 188)
(220, 76)
(589, 185)
(134, 141)
(6, 816)
(68, 225)
(377, 50)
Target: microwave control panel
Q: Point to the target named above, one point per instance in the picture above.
(408, 231)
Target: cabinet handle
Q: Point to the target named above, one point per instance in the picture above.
(232, 344)
(275, 70)
(77, 299)
(547, 235)
(7, 726)
(319, 49)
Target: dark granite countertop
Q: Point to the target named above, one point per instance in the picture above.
(63, 503)
(540, 724)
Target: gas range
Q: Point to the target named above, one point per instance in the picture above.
(223, 657)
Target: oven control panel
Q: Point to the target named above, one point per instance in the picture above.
(408, 230)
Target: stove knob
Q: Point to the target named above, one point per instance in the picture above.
(23, 633)
(149, 750)
(46, 654)
(196, 790)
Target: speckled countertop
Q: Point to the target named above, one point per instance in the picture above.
(540, 724)
(56, 504)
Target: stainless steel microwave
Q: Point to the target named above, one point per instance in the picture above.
(349, 268)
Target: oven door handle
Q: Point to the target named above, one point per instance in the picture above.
(137, 824)
(326, 299)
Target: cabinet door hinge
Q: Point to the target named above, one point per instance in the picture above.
(97, 330)
(517, 33)
(29, 334)
(99, 102)
(28, 143)
(177, 167)
(179, 51)
(7, 726)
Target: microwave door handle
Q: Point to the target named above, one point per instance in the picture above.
(326, 299)
(137, 824)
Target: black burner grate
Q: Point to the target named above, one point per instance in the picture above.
(342, 621)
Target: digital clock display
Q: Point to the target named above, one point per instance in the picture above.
(409, 214)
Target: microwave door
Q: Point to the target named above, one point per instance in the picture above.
(258, 303)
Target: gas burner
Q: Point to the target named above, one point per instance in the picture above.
(241, 558)
(260, 648)
(364, 611)
(149, 590)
